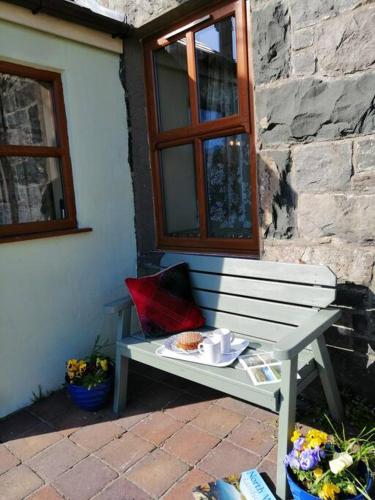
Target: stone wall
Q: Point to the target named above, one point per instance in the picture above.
(314, 77)
(314, 72)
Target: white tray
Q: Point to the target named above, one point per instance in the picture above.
(238, 346)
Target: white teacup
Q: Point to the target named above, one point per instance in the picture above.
(210, 349)
(225, 337)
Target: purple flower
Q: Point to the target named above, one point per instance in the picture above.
(292, 460)
(298, 443)
(309, 459)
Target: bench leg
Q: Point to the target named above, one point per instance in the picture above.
(287, 415)
(121, 383)
(328, 379)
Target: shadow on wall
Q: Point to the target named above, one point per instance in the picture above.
(277, 199)
(352, 341)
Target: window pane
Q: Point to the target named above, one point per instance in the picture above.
(172, 85)
(216, 55)
(227, 174)
(30, 190)
(179, 191)
(26, 112)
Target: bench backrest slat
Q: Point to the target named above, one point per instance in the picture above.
(251, 327)
(289, 293)
(245, 306)
(308, 274)
(257, 298)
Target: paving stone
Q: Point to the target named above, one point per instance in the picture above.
(217, 420)
(186, 408)
(97, 435)
(57, 459)
(157, 427)
(182, 490)
(265, 416)
(190, 444)
(85, 480)
(71, 422)
(269, 469)
(124, 452)
(46, 493)
(137, 384)
(179, 383)
(203, 392)
(157, 396)
(17, 425)
(253, 436)
(39, 438)
(7, 459)
(56, 404)
(157, 472)
(228, 458)
(236, 405)
(122, 489)
(272, 455)
(18, 482)
(133, 414)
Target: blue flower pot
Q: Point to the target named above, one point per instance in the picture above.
(298, 493)
(91, 399)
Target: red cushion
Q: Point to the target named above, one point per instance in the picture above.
(164, 301)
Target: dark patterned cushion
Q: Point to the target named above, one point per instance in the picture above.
(164, 301)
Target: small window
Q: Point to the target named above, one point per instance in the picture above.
(36, 187)
(199, 100)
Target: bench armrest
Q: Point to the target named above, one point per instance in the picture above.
(289, 346)
(118, 305)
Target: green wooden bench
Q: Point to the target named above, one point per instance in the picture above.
(279, 307)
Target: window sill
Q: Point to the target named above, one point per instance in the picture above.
(45, 234)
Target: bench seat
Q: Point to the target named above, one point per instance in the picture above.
(230, 379)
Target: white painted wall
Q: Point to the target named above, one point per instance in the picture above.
(52, 290)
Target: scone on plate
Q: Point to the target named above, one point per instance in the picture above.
(189, 341)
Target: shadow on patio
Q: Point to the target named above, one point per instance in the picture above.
(174, 434)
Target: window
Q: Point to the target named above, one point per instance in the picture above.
(199, 102)
(36, 187)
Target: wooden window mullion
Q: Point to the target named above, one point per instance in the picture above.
(192, 74)
(201, 187)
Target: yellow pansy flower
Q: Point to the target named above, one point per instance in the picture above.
(296, 435)
(315, 442)
(315, 434)
(72, 364)
(82, 366)
(312, 433)
(104, 364)
(328, 491)
(318, 472)
(323, 436)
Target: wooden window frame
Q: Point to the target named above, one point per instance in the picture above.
(29, 230)
(197, 131)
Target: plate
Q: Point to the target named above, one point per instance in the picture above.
(171, 342)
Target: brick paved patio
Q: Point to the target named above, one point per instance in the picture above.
(174, 434)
